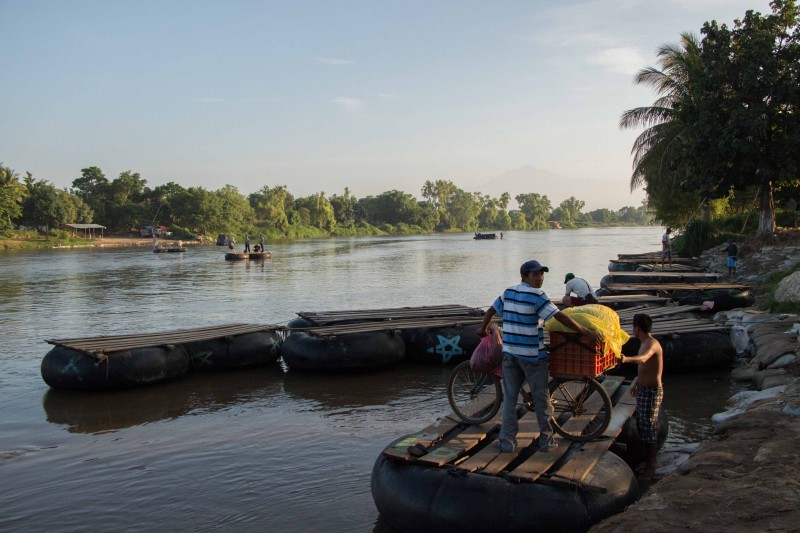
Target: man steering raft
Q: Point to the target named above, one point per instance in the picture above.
(648, 390)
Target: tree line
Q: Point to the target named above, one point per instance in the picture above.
(126, 203)
(723, 136)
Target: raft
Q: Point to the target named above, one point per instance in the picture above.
(126, 361)
(168, 250)
(658, 277)
(480, 236)
(457, 481)
(243, 256)
(350, 352)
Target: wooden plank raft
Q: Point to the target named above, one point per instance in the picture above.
(668, 287)
(619, 277)
(390, 325)
(322, 318)
(451, 443)
(118, 343)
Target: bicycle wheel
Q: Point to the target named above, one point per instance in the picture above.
(582, 408)
(474, 396)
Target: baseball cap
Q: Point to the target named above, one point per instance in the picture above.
(532, 266)
(568, 277)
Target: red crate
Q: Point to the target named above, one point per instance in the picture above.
(572, 356)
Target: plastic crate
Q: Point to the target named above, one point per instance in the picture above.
(571, 356)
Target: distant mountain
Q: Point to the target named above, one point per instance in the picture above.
(597, 194)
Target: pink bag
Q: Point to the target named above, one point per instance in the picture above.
(488, 356)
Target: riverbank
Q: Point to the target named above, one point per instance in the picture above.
(745, 477)
(53, 242)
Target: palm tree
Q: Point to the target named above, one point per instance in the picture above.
(12, 193)
(660, 162)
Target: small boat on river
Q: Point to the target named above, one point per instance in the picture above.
(168, 250)
(244, 256)
(479, 236)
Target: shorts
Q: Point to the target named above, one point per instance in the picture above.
(577, 300)
(731, 261)
(666, 254)
(648, 405)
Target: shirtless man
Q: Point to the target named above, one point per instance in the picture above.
(648, 390)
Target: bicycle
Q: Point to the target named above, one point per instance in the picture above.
(476, 398)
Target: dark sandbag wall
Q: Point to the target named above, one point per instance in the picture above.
(65, 368)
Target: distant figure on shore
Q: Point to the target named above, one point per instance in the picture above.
(666, 247)
(247, 244)
(648, 390)
(732, 252)
(582, 290)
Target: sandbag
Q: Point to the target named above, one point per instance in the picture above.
(598, 318)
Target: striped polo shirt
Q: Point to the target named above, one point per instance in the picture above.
(524, 310)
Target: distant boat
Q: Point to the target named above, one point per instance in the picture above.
(168, 249)
(242, 256)
(485, 236)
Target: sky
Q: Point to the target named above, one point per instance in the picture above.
(319, 95)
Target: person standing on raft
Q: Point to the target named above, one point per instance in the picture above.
(525, 308)
(648, 390)
(666, 248)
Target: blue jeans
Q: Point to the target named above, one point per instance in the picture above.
(515, 372)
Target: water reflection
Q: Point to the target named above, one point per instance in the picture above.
(94, 413)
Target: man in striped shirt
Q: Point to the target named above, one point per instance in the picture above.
(525, 308)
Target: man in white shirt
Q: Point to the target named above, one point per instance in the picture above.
(582, 290)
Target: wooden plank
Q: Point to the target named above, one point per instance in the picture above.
(427, 437)
(673, 286)
(491, 461)
(459, 444)
(540, 462)
(435, 311)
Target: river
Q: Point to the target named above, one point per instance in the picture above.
(258, 449)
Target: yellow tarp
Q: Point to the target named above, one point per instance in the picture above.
(595, 317)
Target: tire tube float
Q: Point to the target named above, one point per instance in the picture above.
(622, 267)
(249, 349)
(65, 368)
(350, 352)
(694, 351)
(634, 451)
(411, 497)
(447, 345)
(724, 299)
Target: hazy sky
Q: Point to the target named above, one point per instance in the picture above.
(321, 95)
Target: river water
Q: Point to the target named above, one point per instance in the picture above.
(264, 448)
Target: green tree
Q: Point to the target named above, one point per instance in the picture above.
(536, 209)
(12, 194)
(272, 206)
(45, 205)
(93, 188)
(569, 211)
(660, 151)
(391, 207)
(319, 212)
(751, 137)
(344, 208)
